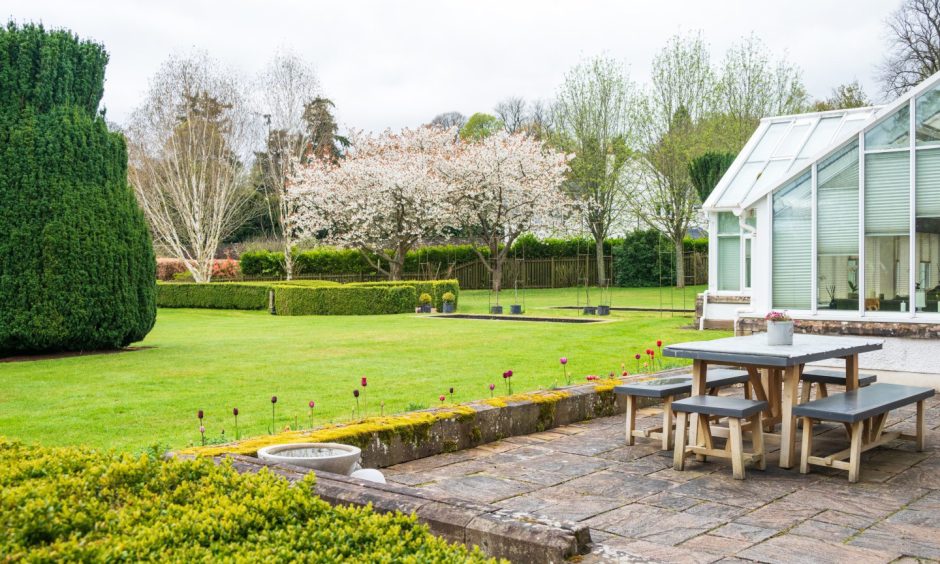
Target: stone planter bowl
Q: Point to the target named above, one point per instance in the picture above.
(329, 457)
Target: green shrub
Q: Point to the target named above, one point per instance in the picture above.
(78, 505)
(77, 267)
(304, 283)
(343, 300)
(214, 295)
(436, 288)
(644, 256)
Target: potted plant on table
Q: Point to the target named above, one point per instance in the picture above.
(779, 328)
(425, 301)
(448, 302)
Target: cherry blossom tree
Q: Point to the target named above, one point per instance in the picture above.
(384, 198)
(501, 187)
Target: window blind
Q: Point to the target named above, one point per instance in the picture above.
(792, 245)
(837, 205)
(729, 263)
(927, 183)
(887, 194)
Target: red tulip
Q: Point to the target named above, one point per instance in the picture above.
(235, 411)
(492, 387)
(363, 381)
(637, 356)
(441, 398)
(509, 373)
(355, 393)
(273, 399)
(451, 390)
(652, 354)
(659, 344)
(199, 414)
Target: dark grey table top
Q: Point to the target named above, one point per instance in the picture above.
(754, 349)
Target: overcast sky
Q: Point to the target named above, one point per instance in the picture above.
(390, 63)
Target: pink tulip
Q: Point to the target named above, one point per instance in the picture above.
(441, 398)
(311, 404)
(363, 381)
(563, 360)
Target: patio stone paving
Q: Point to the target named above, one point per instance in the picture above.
(641, 510)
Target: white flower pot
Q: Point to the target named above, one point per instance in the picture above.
(779, 332)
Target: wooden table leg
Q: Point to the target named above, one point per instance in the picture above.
(699, 374)
(921, 441)
(791, 380)
(631, 418)
(851, 372)
(667, 423)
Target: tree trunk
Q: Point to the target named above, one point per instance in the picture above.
(601, 275)
(397, 264)
(496, 269)
(288, 261)
(680, 263)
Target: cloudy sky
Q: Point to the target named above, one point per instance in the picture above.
(392, 63)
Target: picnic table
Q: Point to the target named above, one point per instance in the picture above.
(767, 365)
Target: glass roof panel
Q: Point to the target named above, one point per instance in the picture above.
(741, 185)
(769, 141)
(821, 136)
(927, 126)
(774, 172)
(794, 139)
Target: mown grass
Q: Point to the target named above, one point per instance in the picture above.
(217, 360)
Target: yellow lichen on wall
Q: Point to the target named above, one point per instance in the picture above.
(532, 397)
(358, 432)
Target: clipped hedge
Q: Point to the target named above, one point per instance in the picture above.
(343, 300)
(216, 295)
(78, 505)
(436, 288)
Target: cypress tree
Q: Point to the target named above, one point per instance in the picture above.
(77, 270)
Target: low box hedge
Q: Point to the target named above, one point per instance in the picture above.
(436, 288)
(343, 300)
(79, 505)
(215, 295)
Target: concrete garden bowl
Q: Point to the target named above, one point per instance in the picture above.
(329, 457)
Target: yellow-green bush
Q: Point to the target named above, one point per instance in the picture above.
(343, 300)
(72, 504)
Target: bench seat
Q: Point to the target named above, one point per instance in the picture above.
(680, 384)
(864, 412)
(666, 389)
(719, 406)
(738, 411)
(862, 403)
(835, 377)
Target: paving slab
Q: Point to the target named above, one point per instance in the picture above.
(639, 509)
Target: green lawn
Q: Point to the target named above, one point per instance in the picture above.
(216, 360)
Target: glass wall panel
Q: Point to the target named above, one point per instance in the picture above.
(729, 252)
(893, 132)
(927, 227)
(792, 245)
(927, 125)
(887, 267)
(837, 231)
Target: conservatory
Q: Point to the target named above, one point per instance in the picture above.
(832, 216)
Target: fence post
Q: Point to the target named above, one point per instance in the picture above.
(552, 272)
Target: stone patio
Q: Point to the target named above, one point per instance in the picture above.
(639, 509)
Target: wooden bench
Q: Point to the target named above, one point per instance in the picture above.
(667, 389)
(736, 410)
(824, 378)
(854, 408)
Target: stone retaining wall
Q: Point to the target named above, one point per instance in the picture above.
(868, 328)
(518, 537)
